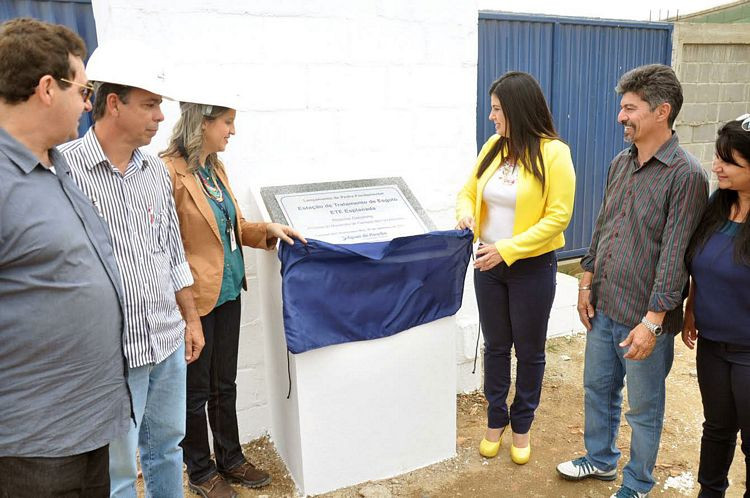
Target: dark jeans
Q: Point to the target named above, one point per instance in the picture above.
(514, 305)
(724, 380)
(85, 475)
(211, 380)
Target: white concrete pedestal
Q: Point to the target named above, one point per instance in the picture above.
(358, 411)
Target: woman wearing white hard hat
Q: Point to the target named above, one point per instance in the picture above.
(213, 233)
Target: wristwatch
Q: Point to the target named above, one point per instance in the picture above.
(655, 328)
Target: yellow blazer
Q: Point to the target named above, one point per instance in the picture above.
(541, 215)
(200, 233)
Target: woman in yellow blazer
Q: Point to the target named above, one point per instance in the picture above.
(518, 200)
(213, 232)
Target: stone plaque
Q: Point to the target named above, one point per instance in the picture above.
(348, 212)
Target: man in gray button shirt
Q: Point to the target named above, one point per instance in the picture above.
(63, 393)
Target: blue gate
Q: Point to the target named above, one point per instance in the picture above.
(577, 63)
(75, 14)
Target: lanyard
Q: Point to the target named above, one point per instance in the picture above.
(215, 193)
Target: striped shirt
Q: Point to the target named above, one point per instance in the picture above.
(140, 210)
(647, 217)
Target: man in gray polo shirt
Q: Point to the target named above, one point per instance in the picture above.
(63, 393)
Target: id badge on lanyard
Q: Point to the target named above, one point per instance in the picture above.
(232, 238)
(229, 227)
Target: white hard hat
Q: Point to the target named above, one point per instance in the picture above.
(127, 62)
(192, 85)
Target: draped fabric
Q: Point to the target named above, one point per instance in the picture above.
(336, 293)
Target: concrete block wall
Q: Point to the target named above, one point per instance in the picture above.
(713, 64)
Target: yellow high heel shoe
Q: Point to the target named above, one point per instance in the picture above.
(489, 449)
(520, 456)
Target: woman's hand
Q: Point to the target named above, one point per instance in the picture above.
(689, 332)
(466, 222)
(285, 233)
(487, 257)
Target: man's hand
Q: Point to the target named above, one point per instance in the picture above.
(584, 306)
(194, 340)
(466, 222)
(585, 309)
(285, 233)
(641, 342)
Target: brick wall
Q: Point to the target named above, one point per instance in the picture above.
(713, 64)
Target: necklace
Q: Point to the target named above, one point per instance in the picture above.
(507, 173)
(212, 189)
(210, 184)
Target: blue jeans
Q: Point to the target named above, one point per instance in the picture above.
(603, 379)
(159, 403)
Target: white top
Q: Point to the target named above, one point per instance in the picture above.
(499, 198)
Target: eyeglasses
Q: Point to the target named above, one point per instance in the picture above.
(745, 118)
(86, 91)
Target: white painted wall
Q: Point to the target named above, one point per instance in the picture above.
(334, 90)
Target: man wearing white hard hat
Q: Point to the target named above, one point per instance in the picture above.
(132, 191)
(213, 232)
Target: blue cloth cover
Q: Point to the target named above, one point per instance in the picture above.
(336, 293)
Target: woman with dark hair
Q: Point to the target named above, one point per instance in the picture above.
(717, 313)
(518, 200)
(213, 233)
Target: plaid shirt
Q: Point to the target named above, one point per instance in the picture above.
(647, 217)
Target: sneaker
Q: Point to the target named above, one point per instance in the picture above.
(626, 492)
(213, 487)
(247, 475)
(580, 468)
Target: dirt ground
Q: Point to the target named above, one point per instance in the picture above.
(556, 436)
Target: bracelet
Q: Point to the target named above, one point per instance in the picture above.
(584, 287)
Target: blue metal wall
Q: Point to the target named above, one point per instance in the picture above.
(75, 14)
(577, 63)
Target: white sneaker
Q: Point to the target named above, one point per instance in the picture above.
(626, 492)
(580, 468)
